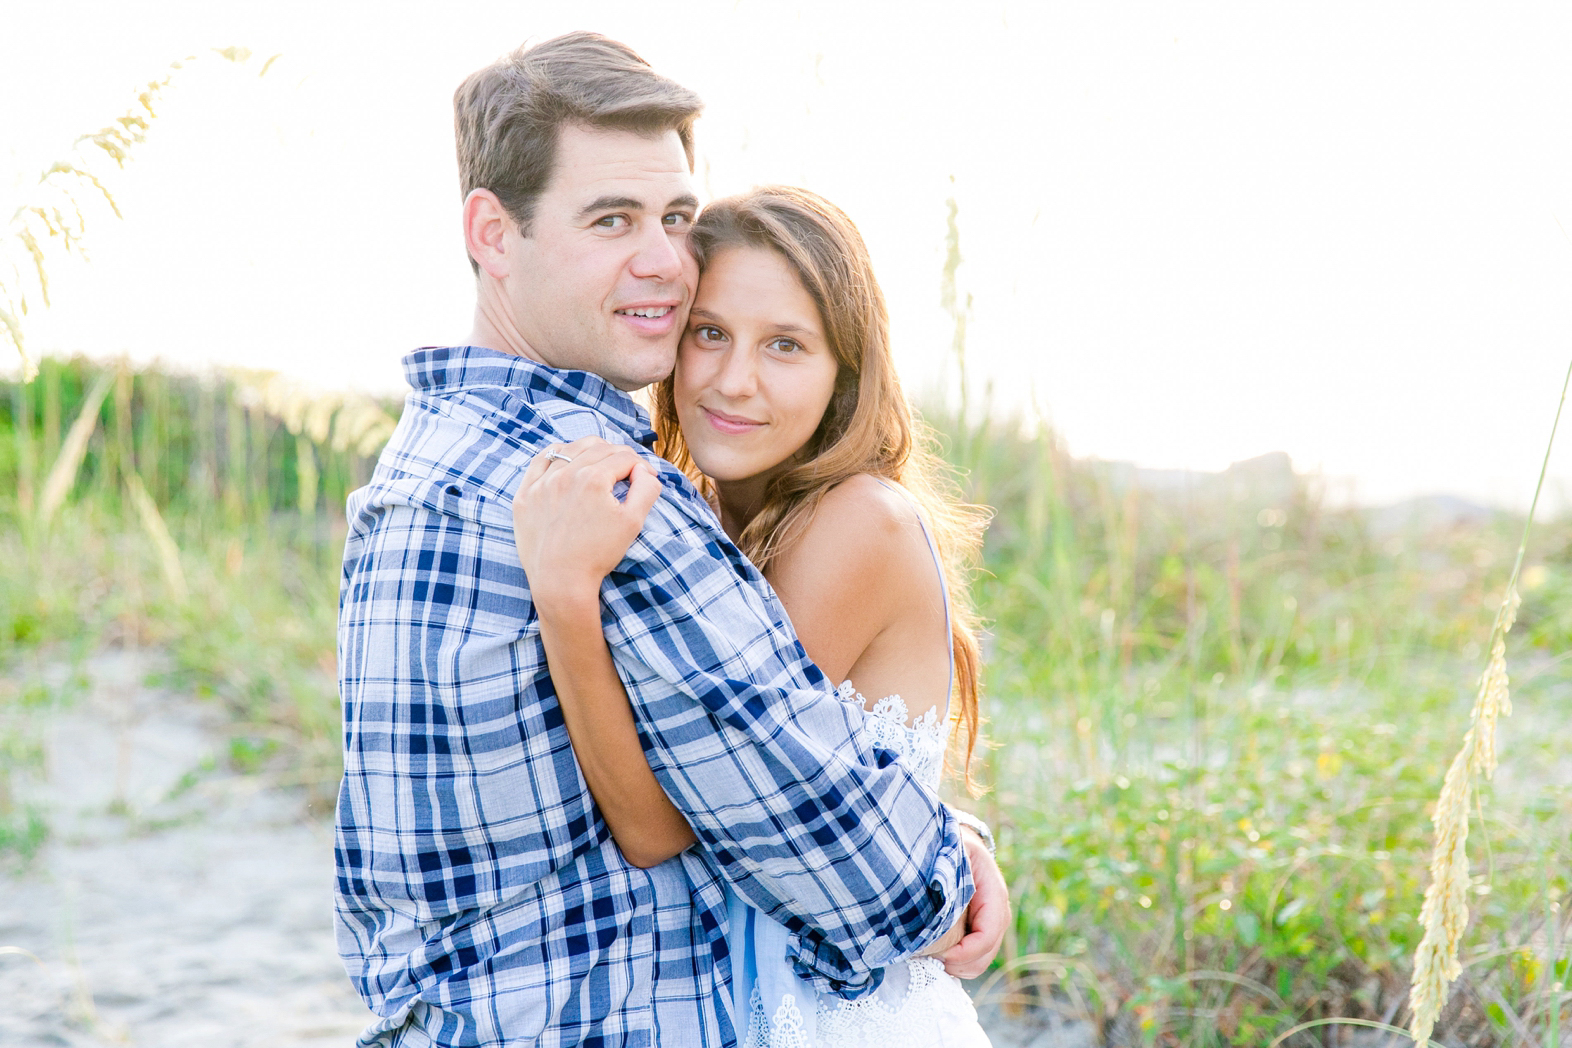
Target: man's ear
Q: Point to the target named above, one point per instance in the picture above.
(486, 225)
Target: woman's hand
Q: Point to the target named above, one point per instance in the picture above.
(571, 532)
(570, 528)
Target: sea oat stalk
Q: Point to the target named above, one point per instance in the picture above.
(55, 217)
(1444, 915)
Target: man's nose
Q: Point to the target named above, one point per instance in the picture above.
(660, 255)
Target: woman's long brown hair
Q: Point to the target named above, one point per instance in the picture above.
(867, 428)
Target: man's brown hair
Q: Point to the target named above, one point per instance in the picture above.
(507, 117)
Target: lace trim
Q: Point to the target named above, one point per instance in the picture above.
(784, 1031)
(889, 726)
(933, 1007)
(918, 1004)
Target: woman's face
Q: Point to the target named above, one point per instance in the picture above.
(754, 371)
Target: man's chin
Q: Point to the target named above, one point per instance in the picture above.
(636, 370)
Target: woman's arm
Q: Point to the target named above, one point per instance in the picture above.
(646, 825)
(860, 564)
(571, 531)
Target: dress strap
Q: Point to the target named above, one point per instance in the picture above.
(944, 586)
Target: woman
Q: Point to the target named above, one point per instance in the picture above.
(786, 410)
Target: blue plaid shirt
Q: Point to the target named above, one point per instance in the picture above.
(480, 897)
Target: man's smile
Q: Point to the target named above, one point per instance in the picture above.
(650, 318)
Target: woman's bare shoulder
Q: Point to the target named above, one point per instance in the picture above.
(863, 528)
(858, 568)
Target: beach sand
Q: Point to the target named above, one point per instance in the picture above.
(179, 903)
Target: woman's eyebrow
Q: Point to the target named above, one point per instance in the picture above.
(791, 329)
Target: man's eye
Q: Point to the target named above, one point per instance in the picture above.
(785, 345)
(612, 221)
(678, 220)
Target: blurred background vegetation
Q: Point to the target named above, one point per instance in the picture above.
(204, 518)
(1219, 706)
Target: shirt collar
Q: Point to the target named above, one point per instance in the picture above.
(450, 369)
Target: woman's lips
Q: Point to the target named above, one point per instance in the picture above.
(732, 425)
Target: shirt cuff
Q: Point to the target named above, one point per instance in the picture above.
(972, 822)
(946, 895)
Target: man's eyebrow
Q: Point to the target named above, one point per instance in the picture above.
(611, 203)
(616, 203)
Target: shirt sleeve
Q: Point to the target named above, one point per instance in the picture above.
(476, 887)
(835, 840)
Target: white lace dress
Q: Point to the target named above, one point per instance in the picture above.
(918, 1005)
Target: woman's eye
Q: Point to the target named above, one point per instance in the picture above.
(785, 345)
(709, 333)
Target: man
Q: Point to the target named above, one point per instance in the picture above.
(481, 899)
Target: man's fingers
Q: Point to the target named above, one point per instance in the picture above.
(987, 915)
(987, 922)
(971, 956)
(968, 958)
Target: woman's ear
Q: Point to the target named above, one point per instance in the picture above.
(486, 227)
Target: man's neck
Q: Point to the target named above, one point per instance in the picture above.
(493, 330)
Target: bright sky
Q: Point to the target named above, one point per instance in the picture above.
(1193, 233)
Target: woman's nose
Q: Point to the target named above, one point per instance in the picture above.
(739, 377)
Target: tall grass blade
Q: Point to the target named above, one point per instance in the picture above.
(17, 951)
(950, 299)
(1368, 1024)
(307, 474)
(62, 475)
(1444, 915)
(158, 531)
(13, 330)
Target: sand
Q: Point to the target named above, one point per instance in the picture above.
(179, 903)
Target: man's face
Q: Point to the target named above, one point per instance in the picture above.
(604, 280)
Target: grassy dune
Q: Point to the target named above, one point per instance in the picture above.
(1221, 719)
(1219, 710)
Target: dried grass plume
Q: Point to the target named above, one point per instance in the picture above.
(1444, 915)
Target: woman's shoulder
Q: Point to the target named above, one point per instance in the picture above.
(866, 524)
(874, 501)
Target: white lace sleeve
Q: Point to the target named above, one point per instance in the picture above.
(919, 743)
